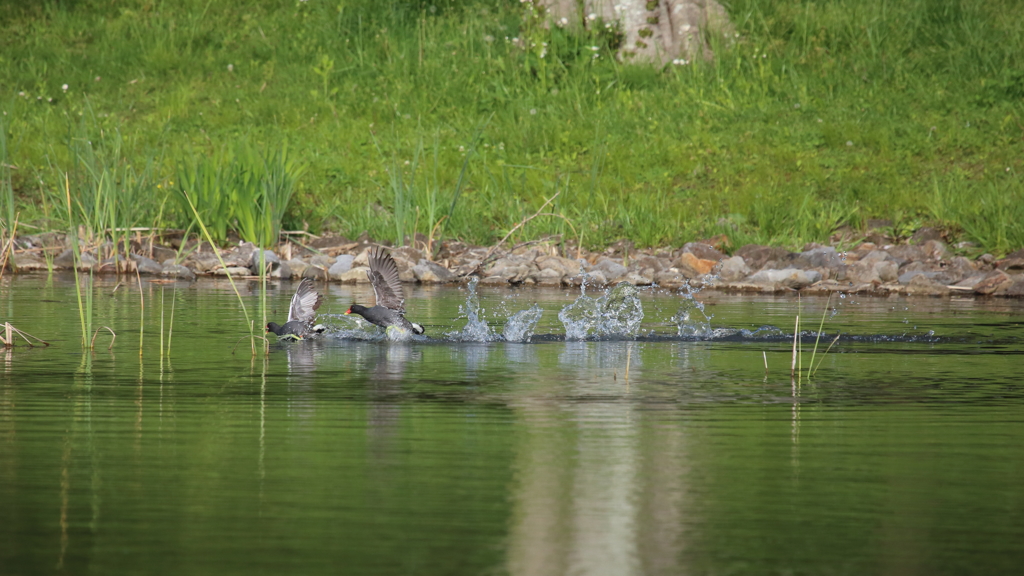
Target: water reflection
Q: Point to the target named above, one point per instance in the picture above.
(603, 495)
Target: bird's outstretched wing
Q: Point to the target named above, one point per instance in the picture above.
(383, 276)
(305, 302)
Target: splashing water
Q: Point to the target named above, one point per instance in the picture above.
(476, 329)
(397, 334)
(691, 321)
(520, 326)
(621, 311)
(350, 327)
(617, 313)
(580, 317)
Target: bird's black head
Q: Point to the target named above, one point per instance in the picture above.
(272, 327)
(356, 309)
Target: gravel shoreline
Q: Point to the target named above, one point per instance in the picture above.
(872, 265)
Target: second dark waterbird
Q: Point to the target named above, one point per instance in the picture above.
(387, 288)
(301, 314)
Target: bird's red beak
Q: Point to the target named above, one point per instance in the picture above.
(349, 311)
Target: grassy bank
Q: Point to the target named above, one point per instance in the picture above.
(405, 115)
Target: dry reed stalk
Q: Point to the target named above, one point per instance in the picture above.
(818, 337)
(10, 332)
(579, 235)
(629, 352)
(521, 224)
(113, 336)
(834, 340)
(10, 246)
(170, 327)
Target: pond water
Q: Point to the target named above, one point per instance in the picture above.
(662, 447)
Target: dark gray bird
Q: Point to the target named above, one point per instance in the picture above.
(301, 314)
(387, 288)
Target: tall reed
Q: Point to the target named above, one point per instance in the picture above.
(238, 188)
(84, 307)
(9, 228)
(111, 195)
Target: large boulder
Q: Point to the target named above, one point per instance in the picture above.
(564, 266)
(297, 266)
(202, 262)
(547, 277)
(734, 269)
(960, 268)
(787, 278)
(270, 260)
(27, 261)
(428, 272)
(819, 257)
(691, 266)
(233, 271)
(877, 256)
(1011, 265)
(905, 253)
(756, 256)
(993, 282)
(341, 265)
(861, 272)
(177, 271)
(354, 276)
(925, 286)
(611, 268)
(703, 251)
(887, 270)
(146, 266)
(671, 278)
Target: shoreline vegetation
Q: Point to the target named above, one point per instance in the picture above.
(462, 130)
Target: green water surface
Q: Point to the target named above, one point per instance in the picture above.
(903, 455)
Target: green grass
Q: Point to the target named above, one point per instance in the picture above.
(817, 114)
